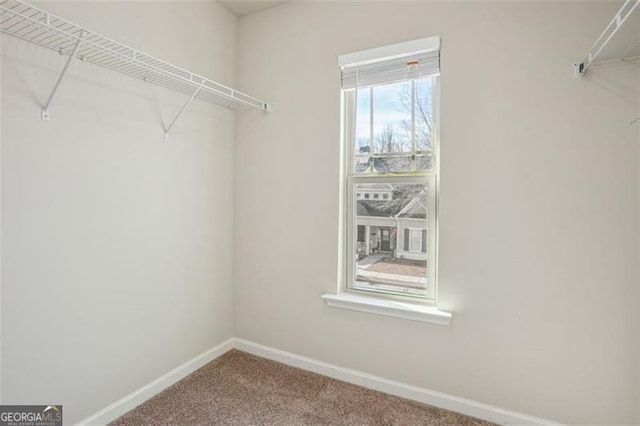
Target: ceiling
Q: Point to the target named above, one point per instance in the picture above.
(241, 7)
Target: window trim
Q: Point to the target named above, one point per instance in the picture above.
(395, 306)
(385, 306)
(349, 200)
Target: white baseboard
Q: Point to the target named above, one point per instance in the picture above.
(426, 396)
(137, 397)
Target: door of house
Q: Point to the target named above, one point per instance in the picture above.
(385, 244)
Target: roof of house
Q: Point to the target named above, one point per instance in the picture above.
(374, 187)
(414, 207)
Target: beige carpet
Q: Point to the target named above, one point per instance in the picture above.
(242, 389)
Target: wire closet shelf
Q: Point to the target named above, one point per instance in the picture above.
(29, 23)
(619, 41)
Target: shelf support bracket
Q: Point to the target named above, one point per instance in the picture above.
(184, 107)
(45, 109)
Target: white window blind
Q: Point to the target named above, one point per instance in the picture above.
(389, 64)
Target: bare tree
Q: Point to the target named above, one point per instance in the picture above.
(385, 141)
(392, 139)
(423, 113)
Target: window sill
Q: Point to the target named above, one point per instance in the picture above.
(392, 308)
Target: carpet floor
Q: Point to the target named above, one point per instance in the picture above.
(242, 389)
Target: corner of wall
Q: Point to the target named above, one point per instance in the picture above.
(164, 210)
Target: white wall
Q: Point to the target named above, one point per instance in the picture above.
(1, 315)
(539, 204)
(116, 245)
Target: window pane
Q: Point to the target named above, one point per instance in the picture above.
(389, 242)
(393, 127)
(362, 146)
(424, 162)
(392, 163)
(424, 114)
(392, 118)
(415, 243)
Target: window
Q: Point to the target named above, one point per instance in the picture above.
(390, 116)
(415, 239)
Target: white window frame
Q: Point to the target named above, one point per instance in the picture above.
(351, 178)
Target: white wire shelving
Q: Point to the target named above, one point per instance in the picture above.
(35, 25)
(620, 40)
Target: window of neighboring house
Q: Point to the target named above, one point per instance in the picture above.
(390, 118)
(415, 240)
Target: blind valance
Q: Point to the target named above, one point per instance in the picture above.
(389, 64)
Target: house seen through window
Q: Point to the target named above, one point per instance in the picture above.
(390, 117)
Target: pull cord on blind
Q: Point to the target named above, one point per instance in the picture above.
(390, 64)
